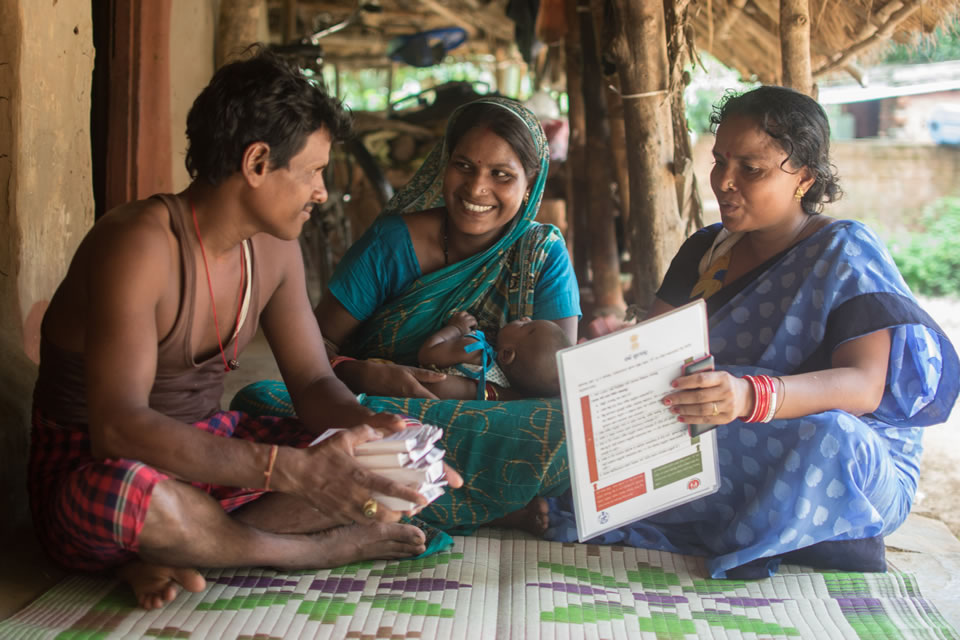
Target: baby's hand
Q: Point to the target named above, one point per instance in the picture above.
(463, 321)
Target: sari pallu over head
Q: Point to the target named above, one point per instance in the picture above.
(496, 285)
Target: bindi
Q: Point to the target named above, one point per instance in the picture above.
(727, 155)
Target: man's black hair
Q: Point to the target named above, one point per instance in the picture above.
(258, 99)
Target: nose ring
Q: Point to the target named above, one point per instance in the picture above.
(730, 185)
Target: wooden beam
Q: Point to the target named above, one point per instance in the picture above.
(452, 16)
(856, 73)
(873, 20)
(752, 36)
(733, 13)
(882, 33)
(237, 27)
(680, 52)
(602, 240)
(795, 45)
(289, 21)
(575, 172)
(639, 47)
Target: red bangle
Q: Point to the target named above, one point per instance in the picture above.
(764, 394)
(489, 392)
(338, 359)
(758, 397)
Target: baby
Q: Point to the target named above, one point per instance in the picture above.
(523, 364)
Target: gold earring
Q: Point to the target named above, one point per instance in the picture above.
(526, 198)
(798, 196)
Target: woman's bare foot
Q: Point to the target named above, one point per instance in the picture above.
(155, 585)
(353, 543)
(533, 518)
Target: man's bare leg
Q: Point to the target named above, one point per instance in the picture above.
(284, 513)
(185, 527)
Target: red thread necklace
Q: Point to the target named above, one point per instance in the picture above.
(232, 364)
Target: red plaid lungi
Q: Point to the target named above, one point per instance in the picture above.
(89, 512)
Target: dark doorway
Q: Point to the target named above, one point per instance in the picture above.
(130, 101)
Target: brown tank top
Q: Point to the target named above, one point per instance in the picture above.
(184, 389)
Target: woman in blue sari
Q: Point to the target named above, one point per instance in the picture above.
(460, 236)
(817, 305)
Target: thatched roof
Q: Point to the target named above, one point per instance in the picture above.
(744, 34)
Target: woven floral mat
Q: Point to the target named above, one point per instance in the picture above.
(498, 585)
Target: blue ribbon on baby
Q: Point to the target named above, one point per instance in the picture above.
(489, 356)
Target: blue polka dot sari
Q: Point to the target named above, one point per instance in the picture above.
(791, 485)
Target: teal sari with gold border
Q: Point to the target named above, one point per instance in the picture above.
(508, 452)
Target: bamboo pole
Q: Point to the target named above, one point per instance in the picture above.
(618, 133)
(733, 12)
(289, 21)
(604, 259)
(639, 46)
(577, 211)
(795, 45)
(680, 52)
(237, 27)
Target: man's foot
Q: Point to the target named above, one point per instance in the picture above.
(353, 543)
(155, 585)
(533, 518)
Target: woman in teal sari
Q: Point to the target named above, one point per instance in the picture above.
(460, 236)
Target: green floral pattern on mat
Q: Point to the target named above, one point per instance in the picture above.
(497, 584)
(657, 586)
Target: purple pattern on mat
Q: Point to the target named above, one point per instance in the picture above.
(570, 588)
(658, 598)
(422, 584)
(873, 605)
(717, 612)
(255, 582)
(338, 585)
(748, 602)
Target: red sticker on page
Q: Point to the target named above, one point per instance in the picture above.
(693, 484)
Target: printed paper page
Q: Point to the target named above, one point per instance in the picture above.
(629, 456)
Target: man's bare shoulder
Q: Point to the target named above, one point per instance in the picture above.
(142, 224)
(128, 251)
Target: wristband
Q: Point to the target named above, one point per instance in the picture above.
(269, 472)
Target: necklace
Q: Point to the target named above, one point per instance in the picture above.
(234, 363)
(446, 258)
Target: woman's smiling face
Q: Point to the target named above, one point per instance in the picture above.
(484, 184)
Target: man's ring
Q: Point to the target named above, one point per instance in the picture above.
(715, 411)
(370, 508)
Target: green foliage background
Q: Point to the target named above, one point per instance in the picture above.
(942, 45)
(930, 260)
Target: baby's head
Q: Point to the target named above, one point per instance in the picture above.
(527, 355)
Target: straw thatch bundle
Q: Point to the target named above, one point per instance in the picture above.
(744, 34)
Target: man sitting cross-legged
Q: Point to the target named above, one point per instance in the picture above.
(133, 465)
